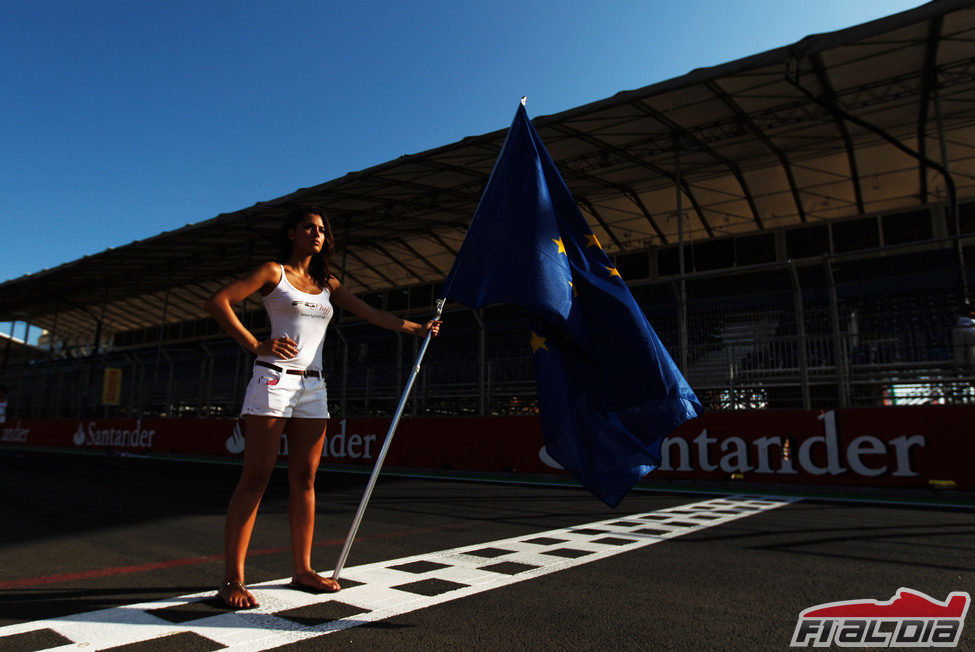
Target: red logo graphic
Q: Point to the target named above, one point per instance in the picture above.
(272, 381)
(909, 619)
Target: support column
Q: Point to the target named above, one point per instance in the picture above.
(162, 331)
(954, 220)
(169, 386)
(6, 350)
(206, 381)
(682, 284)
(97, 349)
(52, 338)
(481, 362)
(839, 357)
(801, 344)
(345, 373)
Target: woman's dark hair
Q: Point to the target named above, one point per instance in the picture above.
(320, 269)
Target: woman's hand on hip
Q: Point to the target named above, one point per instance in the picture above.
(281, 347)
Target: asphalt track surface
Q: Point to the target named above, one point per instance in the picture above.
(82, 534)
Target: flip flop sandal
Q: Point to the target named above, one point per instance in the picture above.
(225, 590)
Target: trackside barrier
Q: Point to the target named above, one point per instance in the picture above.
(914, 446)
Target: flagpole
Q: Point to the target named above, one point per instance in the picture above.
(382, 453)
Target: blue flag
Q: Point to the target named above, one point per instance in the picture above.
(608, 391)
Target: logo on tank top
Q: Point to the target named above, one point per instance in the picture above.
(312, 309)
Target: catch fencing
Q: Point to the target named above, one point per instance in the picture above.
(856, 330)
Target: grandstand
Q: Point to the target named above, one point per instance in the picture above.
(798, 225)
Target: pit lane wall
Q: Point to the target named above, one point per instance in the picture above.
(879, 447)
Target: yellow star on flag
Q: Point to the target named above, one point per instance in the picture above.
(575, 293)
(561, 246)
(612, 271)
(538, 342)
(592, 241)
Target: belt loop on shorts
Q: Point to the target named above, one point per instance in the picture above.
(307, 373)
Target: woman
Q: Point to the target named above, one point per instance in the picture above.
(287, 390)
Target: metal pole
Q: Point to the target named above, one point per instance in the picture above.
(369, 375)
(134, 403)
(162, 332)
(731, 377)
(801, 335)
(382, 453)
(345, 372)
(6, 351)
(101, 321)
(839, 360)
(206, 408)
(168, 405)
(490, 381)
(54, 331)
(481, 362)
(682, 325)
(952, 200)
(82, 382)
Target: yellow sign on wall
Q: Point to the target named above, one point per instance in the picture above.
(112, 387)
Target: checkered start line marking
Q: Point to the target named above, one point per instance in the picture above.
(371, 592)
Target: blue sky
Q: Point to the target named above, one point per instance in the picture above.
(120, 120)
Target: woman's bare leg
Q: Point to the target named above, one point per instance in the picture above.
(263, 436)
(305, 440)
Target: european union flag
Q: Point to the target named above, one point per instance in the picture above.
(608, 390)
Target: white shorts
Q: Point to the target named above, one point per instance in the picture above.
(275, 394)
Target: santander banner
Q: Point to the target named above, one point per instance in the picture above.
(884, 447)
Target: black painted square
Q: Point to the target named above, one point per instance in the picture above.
(430, 587)
(490, 553)
(318, 614)
(39, 639)
(545, 541)
(348, 584)
(683, 523)
(589, 530)
(508, 568)
(182, 642)
(344, 583)
(613, 541)
(652, 530)
(569, 553)
(183, 613)
(418, 567)
(626, 523)
(654, 517)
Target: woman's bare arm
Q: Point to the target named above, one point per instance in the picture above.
(345, 299)
(220, 305)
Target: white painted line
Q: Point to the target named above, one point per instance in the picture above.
(389, 588)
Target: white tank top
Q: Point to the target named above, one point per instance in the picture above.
(301, 316)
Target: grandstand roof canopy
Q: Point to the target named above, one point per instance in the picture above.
(772, 140)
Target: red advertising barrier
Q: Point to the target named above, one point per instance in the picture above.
(880, 447)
